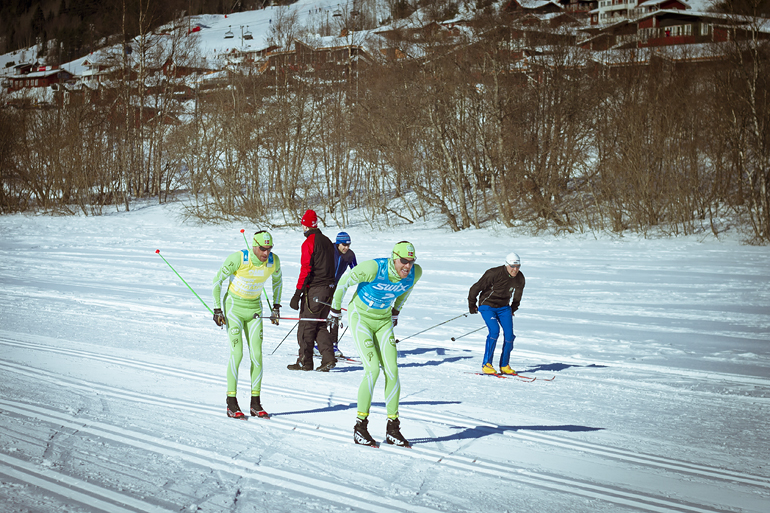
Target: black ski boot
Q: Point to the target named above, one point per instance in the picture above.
(393, 434)
(361, 434)
(233, 411)
(256, 408)
(298, 366)
(327, 367)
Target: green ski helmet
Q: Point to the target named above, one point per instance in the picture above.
(262, 238)
(404, 249)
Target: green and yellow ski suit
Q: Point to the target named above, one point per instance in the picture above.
(372, 327)
(244, 277)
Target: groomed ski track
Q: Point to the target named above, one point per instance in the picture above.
(320, 487)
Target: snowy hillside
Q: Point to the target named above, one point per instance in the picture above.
(219, 34)
(113, 378)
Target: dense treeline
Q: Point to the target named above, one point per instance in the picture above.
(562, 144)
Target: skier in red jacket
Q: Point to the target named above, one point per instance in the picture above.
(313, 295)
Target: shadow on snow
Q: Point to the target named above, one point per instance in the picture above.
(556, 367)
(482, 431)
(354, 407)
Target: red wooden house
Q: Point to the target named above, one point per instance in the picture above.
(43, 76)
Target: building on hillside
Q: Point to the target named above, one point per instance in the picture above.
(667, 28)
(578, 7)
(332, 58)
(532, 6)
(429, 33)
(672, 28)
(173, 69)
(620, 34)
(406, 40)
(609, 12)
(43, 76)
(556, 28)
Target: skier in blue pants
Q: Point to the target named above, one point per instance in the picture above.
(494, 290)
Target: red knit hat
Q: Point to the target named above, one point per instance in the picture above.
(310, 219)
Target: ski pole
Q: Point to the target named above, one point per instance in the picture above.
(157, 251)
(284, 338)
(434, 326)
(247, 247)
(257, 316)
(474, 331)
(343, 334)
(325, 303)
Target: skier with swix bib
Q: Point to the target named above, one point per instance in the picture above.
(383, 286)
(244, 275)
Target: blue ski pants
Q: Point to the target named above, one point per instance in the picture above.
(495, 318)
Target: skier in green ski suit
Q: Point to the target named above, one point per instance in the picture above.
(243, 276)
(383, 286)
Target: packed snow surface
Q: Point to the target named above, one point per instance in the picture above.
(113, 377)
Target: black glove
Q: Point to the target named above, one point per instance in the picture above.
(294, 304)
(394, 317)
(472, 308)
(333, 321)
(219, 318)
(514, 307)
(275, 314)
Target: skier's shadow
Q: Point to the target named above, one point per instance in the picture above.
(556, 367)
(482, 431)
(440, 351)
(433, 363)
(354, 407)
(401, 365)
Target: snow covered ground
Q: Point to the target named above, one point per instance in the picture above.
(113, 378)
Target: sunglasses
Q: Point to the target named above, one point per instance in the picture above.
(343, 244)
(406, 261)
(263, 248)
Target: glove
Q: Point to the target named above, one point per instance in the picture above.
(472, 308)
(514, 307)
(333, 321)
(275, 314)
(219, 318)
(294, 304)
(394, 317)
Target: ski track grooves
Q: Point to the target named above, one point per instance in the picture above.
(549, 439)
(304, 484)
(72, 488)
(297, 482)
(332, 491)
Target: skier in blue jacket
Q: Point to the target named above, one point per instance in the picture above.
(344, 259)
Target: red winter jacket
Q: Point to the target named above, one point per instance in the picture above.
(317, 261)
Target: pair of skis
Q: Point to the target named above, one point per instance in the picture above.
(528, 379)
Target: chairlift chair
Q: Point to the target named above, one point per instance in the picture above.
(337, 13)
(229, 34)
(247, 34)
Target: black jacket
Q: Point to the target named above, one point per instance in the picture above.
(316, 261)
(496, 287)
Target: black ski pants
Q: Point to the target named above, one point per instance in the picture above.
(311, 333)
